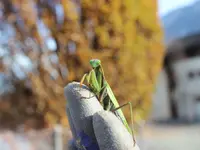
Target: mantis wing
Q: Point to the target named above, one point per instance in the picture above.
(119, 111)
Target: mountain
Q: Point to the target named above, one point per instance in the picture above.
(182, 22)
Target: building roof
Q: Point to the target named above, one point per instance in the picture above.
(183, 43)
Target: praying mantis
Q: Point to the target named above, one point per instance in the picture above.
(99, 86)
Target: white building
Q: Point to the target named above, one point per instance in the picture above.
(178, 86)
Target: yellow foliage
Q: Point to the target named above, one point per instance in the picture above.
(124, 34)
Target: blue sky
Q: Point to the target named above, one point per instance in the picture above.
(166, 6)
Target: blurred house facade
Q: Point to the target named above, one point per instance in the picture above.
(178, 86)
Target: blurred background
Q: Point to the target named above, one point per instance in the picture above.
(149, 50)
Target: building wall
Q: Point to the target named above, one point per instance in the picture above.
(187, 93)
(161, 107)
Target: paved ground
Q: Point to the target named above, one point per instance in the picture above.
(152, 137)
(170, 137)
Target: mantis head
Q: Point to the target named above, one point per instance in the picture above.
(95, 63)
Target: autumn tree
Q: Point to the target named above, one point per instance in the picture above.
(61, 36)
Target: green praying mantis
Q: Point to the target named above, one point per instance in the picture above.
(99, 86)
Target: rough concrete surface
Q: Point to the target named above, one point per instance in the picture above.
(169, 137)
(152, 137)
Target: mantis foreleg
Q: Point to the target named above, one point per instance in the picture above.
(86, 76)
(92, 82)
(105, 100)
(83, 79)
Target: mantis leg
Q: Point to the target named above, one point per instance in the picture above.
(88, 77)
(131, 110)
(89, 80)
(83, 79)
(104, 100)
(102, 95)
(90, 96)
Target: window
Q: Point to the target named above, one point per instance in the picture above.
(191, 75)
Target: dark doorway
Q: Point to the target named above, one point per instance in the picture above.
(171, 87)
